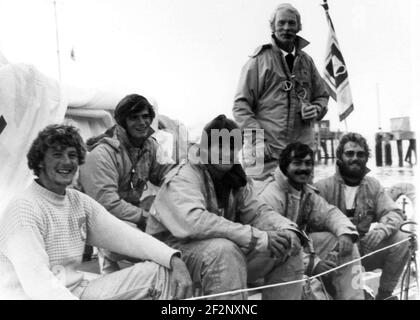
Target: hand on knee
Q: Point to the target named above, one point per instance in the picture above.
(372, 239)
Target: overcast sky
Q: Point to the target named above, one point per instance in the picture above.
(188, 53)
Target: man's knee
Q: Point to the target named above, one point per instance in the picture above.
(224, 268)
(160, 284)
(225, 249)
(398, 236)
(288, 271)
(293, 266)
(149, 270)
(144, 280)
(402, 250)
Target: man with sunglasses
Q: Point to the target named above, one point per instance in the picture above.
(376, 217)
(120, 164)
(280, 91)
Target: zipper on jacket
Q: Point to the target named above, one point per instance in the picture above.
(286, 68)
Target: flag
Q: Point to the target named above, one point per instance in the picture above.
(335, 72)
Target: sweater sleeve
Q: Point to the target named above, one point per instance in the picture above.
(24, 248)
(108, 232)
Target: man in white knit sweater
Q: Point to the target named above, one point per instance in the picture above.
(44, 229)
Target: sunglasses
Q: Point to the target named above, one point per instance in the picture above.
(359, 154)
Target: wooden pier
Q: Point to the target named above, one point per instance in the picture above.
(326, 141)
(400, 131)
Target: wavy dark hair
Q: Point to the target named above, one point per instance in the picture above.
(55, 135)
(130, 104)
(352, 137)
(300, 150)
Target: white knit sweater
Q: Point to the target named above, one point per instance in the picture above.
(43, 235)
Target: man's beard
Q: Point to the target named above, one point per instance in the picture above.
(356, 174)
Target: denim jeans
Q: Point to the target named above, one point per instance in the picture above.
(143, 281)
(347, 282)
(218, 265)
(392, 261)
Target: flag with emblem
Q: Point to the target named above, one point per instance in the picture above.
(335, 72)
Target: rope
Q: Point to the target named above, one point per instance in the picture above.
(298, 281)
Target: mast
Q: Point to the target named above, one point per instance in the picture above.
(378, 104)
(57, 41)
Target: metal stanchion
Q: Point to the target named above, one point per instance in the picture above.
(405, 281)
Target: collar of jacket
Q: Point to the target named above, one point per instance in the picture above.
(338, 177)
(300, 43)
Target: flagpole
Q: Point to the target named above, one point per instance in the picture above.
(335, 72)
(57, 41)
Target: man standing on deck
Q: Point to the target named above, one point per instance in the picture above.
(279, 91)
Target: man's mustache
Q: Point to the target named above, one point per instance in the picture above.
(305, 172)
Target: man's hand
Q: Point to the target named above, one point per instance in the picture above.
(283, 242)
(372, 239)
(278, 243)
(309, 111)
(294, 242)
(181, 283)
(345, 245)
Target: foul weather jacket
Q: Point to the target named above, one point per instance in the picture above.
(372, 204)
(307, 208)
(269, 96)
(186, 206)
(116, 174)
